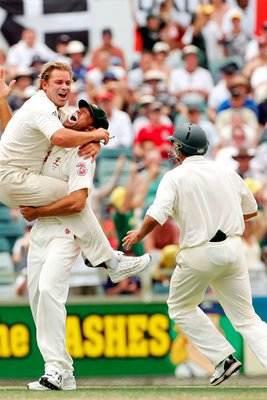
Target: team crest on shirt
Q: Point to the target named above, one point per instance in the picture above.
(82, 169)
(54, 113)
(56, 163)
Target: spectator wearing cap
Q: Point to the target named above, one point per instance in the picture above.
(220, 91)
(237, 149)
(246, 116)
(160, 52)
(20, 55)
(141, 118)
(61, 45)
(76, 52)
(107, 45)
(24, 79)
(155, 84)
(236, 40)
(120, 124)
(259, 60)
(154, 135)
(239, 88)
(118, 87)
(190, 83)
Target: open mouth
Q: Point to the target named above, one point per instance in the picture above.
(63, 95)
(73, 117)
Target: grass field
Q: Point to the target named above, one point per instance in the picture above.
(238, 388)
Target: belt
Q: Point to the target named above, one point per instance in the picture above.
(219, 236)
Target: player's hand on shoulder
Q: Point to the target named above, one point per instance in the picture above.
(91, 149)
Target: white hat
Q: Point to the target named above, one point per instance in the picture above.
(190, 49)
(161, 46)
(75, 46)
(154, 74)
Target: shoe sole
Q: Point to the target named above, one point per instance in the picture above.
(234, 368)
(134, 271)
(45, 382)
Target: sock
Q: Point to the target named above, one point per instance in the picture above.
(113, 262)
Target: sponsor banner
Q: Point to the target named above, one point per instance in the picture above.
(107, 340)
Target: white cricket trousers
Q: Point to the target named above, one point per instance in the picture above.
(27, 188)
(51, 256)
(223, 266)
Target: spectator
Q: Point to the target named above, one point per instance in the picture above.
(222, 14)
(160, 52)
(220, 92)
(76, 52)
(24, 80)
(155, 84)
(128, 286)
(141, 117)
(95, 75)
(118, 87)
(135, 76)
(239, 85)
(151, 32)
(154, 135)
(21, 54)
(107, 45)
(253, 50)
(191, 83)
(205, 34)
(61, 44)
(236, 40)
(259, 81)
(237, 107)
(259, 60)
(120, 124)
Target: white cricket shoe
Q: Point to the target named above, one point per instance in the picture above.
(68, 383)
(224, 370)
(128, 266)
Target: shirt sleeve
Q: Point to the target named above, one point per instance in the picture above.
(45, 118)
(248, 202)
(81, 172)
(165, 200)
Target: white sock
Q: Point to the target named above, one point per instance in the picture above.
(113, 262)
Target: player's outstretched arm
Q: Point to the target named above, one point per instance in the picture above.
(136, 236)
(5, 90)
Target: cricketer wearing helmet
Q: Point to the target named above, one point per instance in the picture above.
(209, 202)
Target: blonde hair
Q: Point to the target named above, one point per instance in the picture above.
(49, 67)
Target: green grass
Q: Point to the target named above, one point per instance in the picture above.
(235, 389)
(125, 393)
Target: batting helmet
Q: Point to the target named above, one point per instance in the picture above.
(191, 139)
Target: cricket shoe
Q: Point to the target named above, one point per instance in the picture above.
(224, 370)
(128, 266)
(68, 383)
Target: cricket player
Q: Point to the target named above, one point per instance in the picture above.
(24, 146)
(48, 286)
(209, 203)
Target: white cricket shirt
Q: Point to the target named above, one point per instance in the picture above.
(26, 139)
(65, 164)
(202, 196)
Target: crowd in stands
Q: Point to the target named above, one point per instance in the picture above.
(205, 66)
